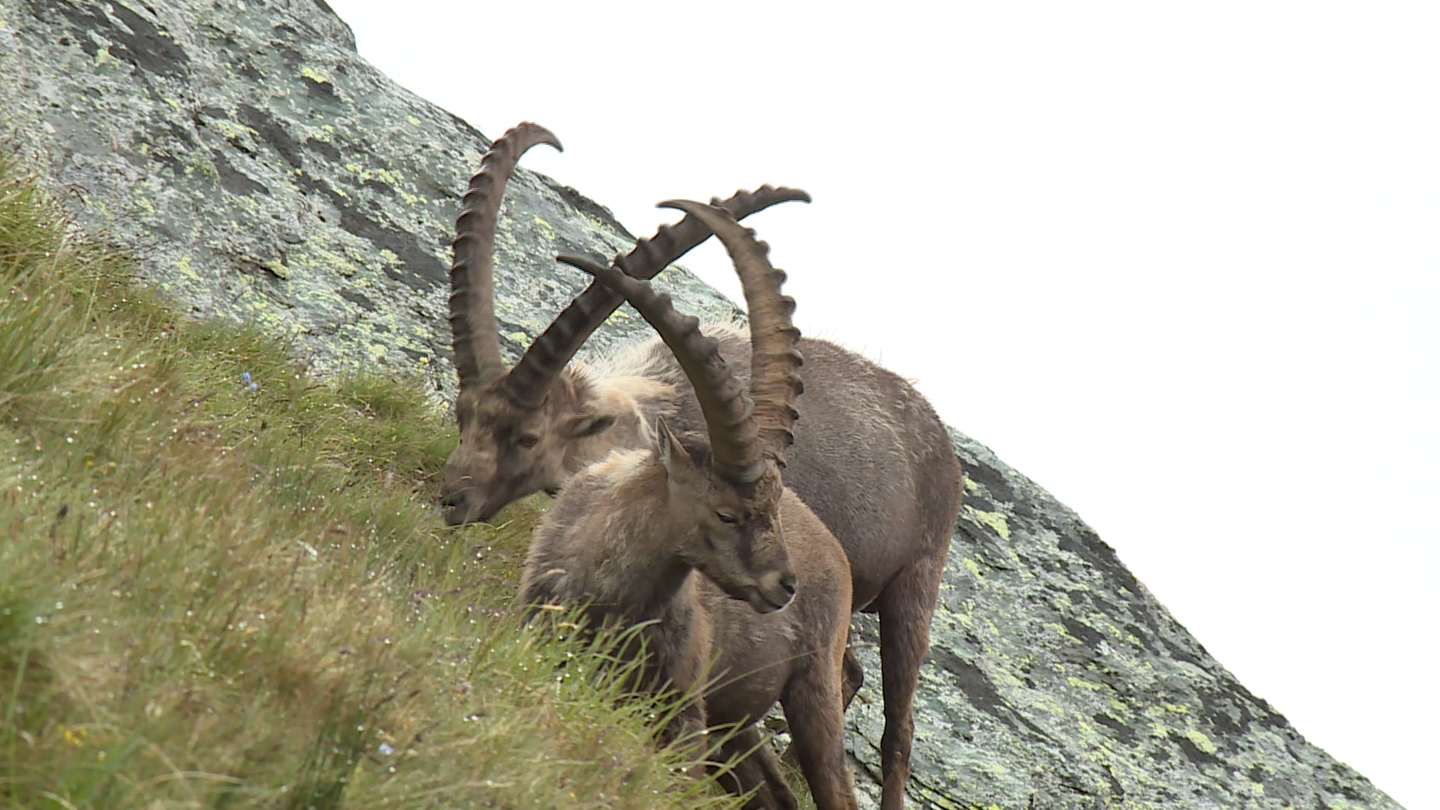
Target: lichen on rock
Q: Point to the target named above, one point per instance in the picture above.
(263, 171)
(260, 170)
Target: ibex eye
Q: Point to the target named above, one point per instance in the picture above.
(528, 441)
(726, 517)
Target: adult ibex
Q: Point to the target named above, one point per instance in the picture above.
(871, 458)
(773, 607)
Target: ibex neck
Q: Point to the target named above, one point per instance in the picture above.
(653, 593)
(623, 537)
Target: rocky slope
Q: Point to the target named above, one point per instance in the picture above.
(262, 170)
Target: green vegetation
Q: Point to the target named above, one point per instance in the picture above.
(221, 590)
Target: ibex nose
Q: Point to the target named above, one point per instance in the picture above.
(454, 506)
(789, 582)
(774, 591)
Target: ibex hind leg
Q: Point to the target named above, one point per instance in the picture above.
(756, 767)
(905, 609)
(813, 707)
(853, 677)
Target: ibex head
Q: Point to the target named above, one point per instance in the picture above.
(724, 496)
(510, 449)
(496, 427)
(725, 531)
(528, 429)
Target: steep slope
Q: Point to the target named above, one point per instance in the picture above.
(262, 170)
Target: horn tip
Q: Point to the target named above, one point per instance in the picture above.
(678, 204)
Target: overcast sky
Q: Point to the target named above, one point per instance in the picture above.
(1181, 266)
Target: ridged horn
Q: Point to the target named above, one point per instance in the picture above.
(775, 357)
(473, 328)
(556, 346)
(729, 418)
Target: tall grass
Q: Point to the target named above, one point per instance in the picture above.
(222, 582)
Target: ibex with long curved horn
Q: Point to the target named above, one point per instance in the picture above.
(626, 534)
(531, 428)
(871, 458)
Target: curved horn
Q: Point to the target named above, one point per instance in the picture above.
(729, 418)
(472, 277)
(775, 357)
(532, 376)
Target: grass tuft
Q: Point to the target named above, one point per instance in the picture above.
(225, 584)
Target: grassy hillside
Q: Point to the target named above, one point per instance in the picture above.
(223, 583)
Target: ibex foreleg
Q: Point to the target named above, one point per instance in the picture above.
(816, 715)
(852, 678)
(757, 770)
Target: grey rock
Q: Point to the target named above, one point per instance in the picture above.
(262, 171)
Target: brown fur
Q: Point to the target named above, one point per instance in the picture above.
(871, 460)
(626, 535)
(507, 452)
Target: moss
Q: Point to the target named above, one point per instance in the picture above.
(143, 204)
(1201, 741)
(995, 521)
(230, 130)
(184, 267)
(974, 569)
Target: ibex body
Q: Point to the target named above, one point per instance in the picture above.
(771, 603)
(871, 459)
(616, 540)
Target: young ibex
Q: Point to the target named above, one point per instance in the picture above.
(773, 607)
(871, 458)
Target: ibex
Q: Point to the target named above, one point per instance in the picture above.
(871, 458)
(626, 534)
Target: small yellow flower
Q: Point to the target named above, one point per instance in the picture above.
(76, 737)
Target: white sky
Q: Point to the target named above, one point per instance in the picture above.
(1179, 265)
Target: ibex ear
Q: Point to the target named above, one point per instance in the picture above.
(590, 424)
(678, 464)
